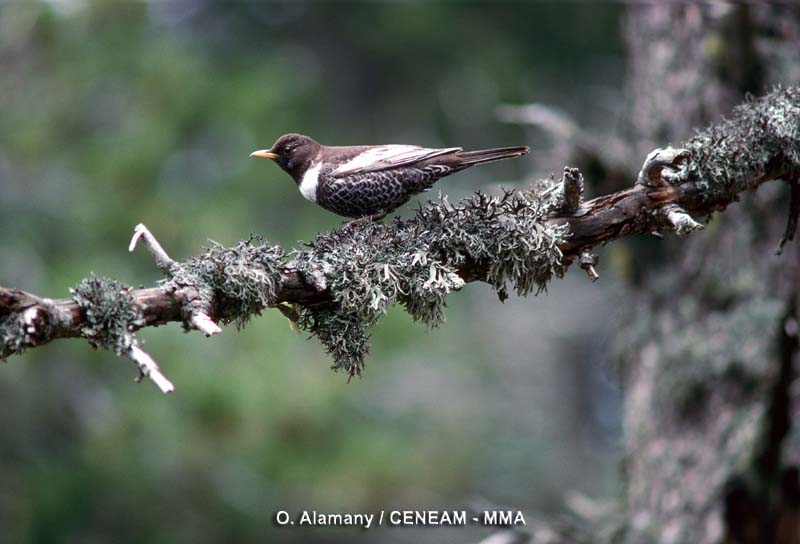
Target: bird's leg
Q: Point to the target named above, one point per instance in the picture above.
(365, 219)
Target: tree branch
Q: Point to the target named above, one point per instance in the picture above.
(343, 283)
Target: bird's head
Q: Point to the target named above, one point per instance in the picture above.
(292, 152)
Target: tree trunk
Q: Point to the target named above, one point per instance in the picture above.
(711, 452)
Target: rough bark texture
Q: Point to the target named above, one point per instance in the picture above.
(709, 408)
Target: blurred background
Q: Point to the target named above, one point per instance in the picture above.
(114, 113)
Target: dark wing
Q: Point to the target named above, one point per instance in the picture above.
(383, 157)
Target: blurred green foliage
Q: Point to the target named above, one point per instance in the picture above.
(114, 113)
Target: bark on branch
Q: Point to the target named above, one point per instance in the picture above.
(344, 281)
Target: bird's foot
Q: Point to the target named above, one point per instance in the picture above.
(361, 220)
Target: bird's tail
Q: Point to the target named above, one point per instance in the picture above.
(469, 158)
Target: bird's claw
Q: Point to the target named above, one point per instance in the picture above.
(363, 220)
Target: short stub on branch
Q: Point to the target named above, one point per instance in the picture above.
(682, 223)
(588, 262)
(149, 369)
(163, 260)
(664, 166)
(205, 324)
(571, 189)
(195, 310)
(567, 195)
(668, 167)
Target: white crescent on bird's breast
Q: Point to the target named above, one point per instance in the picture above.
(309, 183)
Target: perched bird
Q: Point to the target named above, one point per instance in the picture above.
(370, 181)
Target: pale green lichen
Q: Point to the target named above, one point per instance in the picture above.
(240, 280)
(761, 133)
(13, 335)
(110, 313)
(419, 261)
(344, 336)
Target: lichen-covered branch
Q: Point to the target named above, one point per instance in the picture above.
(343, 282)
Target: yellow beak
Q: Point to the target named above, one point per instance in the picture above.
(264, 154)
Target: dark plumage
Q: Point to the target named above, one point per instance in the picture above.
(361, 181)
